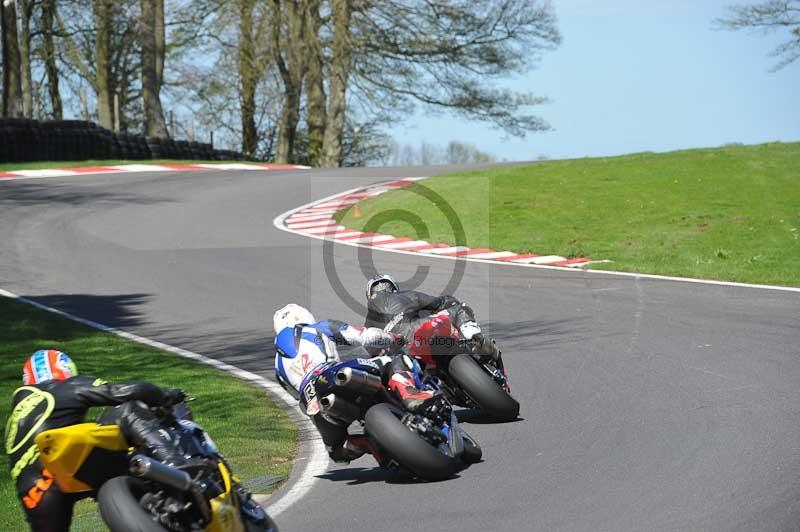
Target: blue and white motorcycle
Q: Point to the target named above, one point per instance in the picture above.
(432, 446)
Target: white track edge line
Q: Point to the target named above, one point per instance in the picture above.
(315, 464)
(278, 222)
(125, 168)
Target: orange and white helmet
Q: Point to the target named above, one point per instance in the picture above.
(48, 365)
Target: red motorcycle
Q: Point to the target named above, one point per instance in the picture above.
(470, 376)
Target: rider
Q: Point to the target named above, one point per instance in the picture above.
(405, 311)
(303, 344)
(55, 396)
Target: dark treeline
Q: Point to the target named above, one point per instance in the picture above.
(294, 81)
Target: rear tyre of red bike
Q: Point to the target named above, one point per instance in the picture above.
(483, 389)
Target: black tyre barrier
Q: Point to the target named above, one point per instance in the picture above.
(25, 140)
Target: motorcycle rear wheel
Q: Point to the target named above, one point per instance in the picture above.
(482, 389)
(406, 446)
(118, 500)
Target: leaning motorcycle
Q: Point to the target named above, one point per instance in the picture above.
(137, 493)
(471, 377)
(430, 445)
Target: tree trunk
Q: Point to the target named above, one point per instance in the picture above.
(287, 130)
(25, 13)
(154, 124)
(103, 10)
(248, 78)
(49, 53)
(339, 70)
(161, 43)
(12, 87)
(292, 72)
(316, 114)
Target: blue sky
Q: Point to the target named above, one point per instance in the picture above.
(635, 76)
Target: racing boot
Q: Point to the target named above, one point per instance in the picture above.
(358, 445)
(485, 348)
(403, 385)
(354, 447)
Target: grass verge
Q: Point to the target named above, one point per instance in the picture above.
(730, 213)
(41, 165)
(254, 434)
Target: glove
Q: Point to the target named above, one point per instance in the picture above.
(173, 396)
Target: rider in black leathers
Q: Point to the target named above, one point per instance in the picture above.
(401, 312)
(62, 399)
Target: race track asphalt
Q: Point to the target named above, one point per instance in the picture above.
(646, 404)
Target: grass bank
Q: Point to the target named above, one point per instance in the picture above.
(730, 213)
(254, 434)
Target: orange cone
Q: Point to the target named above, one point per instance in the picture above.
(356, 211)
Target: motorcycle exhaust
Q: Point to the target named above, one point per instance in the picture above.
(339, 408)
(144, 467)
(358, 381)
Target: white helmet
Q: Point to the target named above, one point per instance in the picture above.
(291, 315)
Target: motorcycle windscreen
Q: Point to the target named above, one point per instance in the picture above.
(81, 457)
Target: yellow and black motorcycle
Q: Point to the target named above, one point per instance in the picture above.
(137, 493)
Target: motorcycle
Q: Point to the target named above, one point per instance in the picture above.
(137, 493)
(430, 445)
(469, 377)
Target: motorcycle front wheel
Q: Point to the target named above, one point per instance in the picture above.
(118, 500)
(406, 446)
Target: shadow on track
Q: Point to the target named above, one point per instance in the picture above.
(121, 310)
(476, 417)
(26, 194)
(354, 476)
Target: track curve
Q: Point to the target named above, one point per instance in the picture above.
(647, 404)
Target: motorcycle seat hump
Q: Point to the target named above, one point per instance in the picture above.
(70, 453)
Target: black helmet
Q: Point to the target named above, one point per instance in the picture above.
(381, 283)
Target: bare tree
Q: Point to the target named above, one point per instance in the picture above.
(152, 58)
(25, 12)
(765, 17)
(287, 47)
(251, 70)
(464, 153)
(447, 55)
(316, 112)
(100, 46)
(200, 86)
(105, 98)
(248, 78)
(88, 51)
(429, 153)
(48, 53)
(339, 71)
(12, 61)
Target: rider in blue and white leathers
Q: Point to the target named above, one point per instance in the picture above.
(303, 344)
